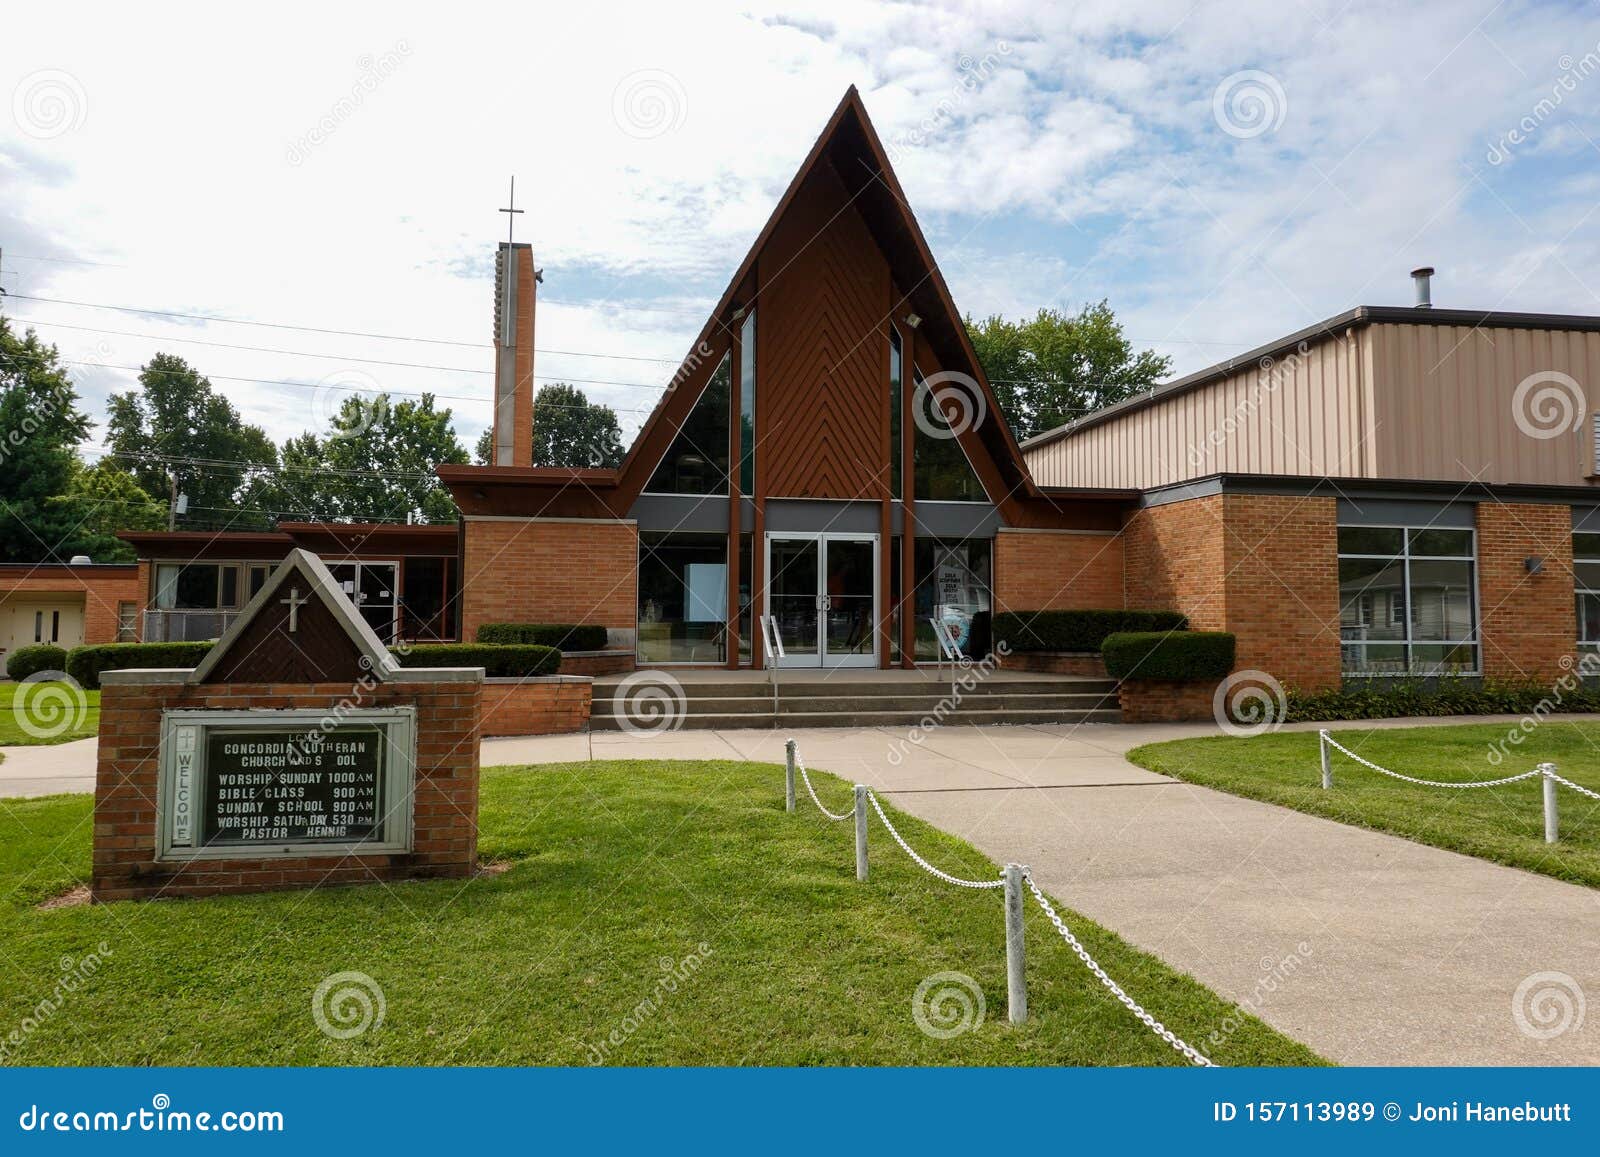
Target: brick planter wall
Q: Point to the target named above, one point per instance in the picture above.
(445, 799)
(1165, 700)
(1087, 664)
(548, 705)
(597, 662)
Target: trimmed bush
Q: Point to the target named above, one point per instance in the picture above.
(1394, 699)
(1076, 630)
(1168, 654)
(498, 662)
(36, 657)
(86, 664)
(562, 636)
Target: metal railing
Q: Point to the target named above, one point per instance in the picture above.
(949, 649)
(164, 625)
(772, 644)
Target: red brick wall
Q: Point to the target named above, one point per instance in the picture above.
(1528, 621)
(445, 800)
(597, 662)
(102, 589)
(543, 706)
(549, 571)
(1174, 561)
(1086, 664)
(1165, 700)
(1049, 570)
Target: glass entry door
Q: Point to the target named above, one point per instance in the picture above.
(372, 588)
(823, 591)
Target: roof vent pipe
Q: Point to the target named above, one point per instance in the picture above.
(1422, 279)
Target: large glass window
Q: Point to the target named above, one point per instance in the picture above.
(747, 405)
(1407, 601)
(896, 376)
(697, 461)
(1586, 581)
(952, 585)
(683, 598)
(942, 472)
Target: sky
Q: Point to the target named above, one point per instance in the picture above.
(1223, 173)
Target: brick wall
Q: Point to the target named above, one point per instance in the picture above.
(1051, 570)
(445, 800)
(1166, 700)
(552, 705)
(1087, 664)
(1528, 621)
(102, 588)
(597, 662)
(549, 571)
(1175, 561)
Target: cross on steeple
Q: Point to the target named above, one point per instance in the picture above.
(294, 602)
(511, 210)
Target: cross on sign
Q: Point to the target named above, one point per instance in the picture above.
(294, 602)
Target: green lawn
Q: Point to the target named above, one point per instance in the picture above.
(614, 868)
(1504, 824)
(47, 706)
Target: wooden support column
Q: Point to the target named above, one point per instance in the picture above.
(912, 342)
(735, 451)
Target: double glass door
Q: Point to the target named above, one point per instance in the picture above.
(823, 591)
(372, 587)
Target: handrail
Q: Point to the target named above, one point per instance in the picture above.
(948, 648)
(772, 644)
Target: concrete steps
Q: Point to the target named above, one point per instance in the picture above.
(856, 701)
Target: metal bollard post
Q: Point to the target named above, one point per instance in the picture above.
(788, 776)
(1327, 771)
(1016, 961)
(1552, 822)
(861, 831)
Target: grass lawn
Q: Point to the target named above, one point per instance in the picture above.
(1504, 824)
(42, 707)
(615, 870)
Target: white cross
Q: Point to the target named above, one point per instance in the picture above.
(294, 602)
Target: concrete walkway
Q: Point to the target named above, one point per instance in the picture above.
(1369, 948)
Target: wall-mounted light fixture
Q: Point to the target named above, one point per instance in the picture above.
(913, 320)
(1533, 564)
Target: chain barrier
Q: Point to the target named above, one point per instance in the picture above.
(1575, 787)
(812, 792)
(1194, 1055)
(1332, 742)
(945, 876)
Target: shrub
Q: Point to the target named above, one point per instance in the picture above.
(1168, 654)
(497, 661)
(562, 636)
(1386, 699)
(86, 664)
(1076, 630)
(32, 659)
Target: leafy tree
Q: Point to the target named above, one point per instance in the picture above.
(568, 430)
(374, 463)
(103, 499)
(176, 426)
(40, 429)
(1056, 367)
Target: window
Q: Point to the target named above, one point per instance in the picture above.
(941, 470)
(258, 579)
(952, 585)
(127, 622)
(747, 407)
(1586, 582)
(697, 460)
(896, 375)
(683, 598)
(1425, 580)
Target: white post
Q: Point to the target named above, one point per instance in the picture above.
(861, 831)
(1552, 823)
(788, 776)
(1016, 969)
(1322, 746)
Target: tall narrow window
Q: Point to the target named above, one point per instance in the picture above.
(697, 460)
(943, 473)
(896, 376)
(1586, 583)
(747, 404)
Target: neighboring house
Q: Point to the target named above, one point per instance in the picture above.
(1383, 493)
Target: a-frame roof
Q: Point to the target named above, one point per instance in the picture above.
(851, 146)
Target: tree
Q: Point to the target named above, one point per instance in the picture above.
(374, 463)
(568, 430)
(103, 499)
(1053, 368)
(40, 429)
(176, 426)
